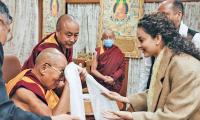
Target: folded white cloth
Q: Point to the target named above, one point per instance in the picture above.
(99, 102)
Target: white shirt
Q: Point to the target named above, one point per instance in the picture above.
(183, 30)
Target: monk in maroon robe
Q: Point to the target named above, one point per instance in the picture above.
(109, 63)
(31, 90)
(29, 81)
(66, 35)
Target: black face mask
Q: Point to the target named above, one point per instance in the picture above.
(1, 54)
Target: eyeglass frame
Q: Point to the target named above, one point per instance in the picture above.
(61, 72)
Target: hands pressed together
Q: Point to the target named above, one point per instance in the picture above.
(109, 80)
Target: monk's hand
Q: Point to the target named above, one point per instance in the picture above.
(64, 117)
(109, 80)
(61, 85)
(83, 72)
(118, 115)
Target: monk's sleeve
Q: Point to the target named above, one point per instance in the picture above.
(120, 71)
(30, 62)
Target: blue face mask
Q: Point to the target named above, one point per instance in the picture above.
(108, 43)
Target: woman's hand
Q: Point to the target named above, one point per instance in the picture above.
(64, 117)
(115, 96)
(118, 115)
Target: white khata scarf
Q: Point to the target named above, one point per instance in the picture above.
(99, 102)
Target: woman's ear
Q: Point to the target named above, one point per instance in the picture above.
(158, 39)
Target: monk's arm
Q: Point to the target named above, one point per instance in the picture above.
(94, 70)
(120, 71)
(63, 105)
(39, 107)
(34, 104)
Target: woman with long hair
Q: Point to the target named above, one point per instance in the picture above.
(175, 81)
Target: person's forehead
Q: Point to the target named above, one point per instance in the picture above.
(107, 34)
(166, 7)
(70, 27)
(140, 32)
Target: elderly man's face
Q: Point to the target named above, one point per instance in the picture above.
(172, 14)
(54, 73)
(68, 35)
(5, 34)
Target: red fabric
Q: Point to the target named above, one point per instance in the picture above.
(30, 86)
(111, 63)
(30, 62)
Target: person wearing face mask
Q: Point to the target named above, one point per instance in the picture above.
(109, 63)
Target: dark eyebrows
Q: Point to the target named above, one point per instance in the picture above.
(140, 38)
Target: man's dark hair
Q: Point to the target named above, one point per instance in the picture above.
(177, 4)
(4, 11)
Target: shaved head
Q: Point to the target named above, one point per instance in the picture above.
(107, 33)
(63, 20)
(49, 67)
(67, 31)
(50, 55)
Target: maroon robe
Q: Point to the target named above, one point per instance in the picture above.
(34, 87)
(111, 63)
(30, 62)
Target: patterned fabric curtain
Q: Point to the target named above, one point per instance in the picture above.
(24, 27)
(88, 21)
